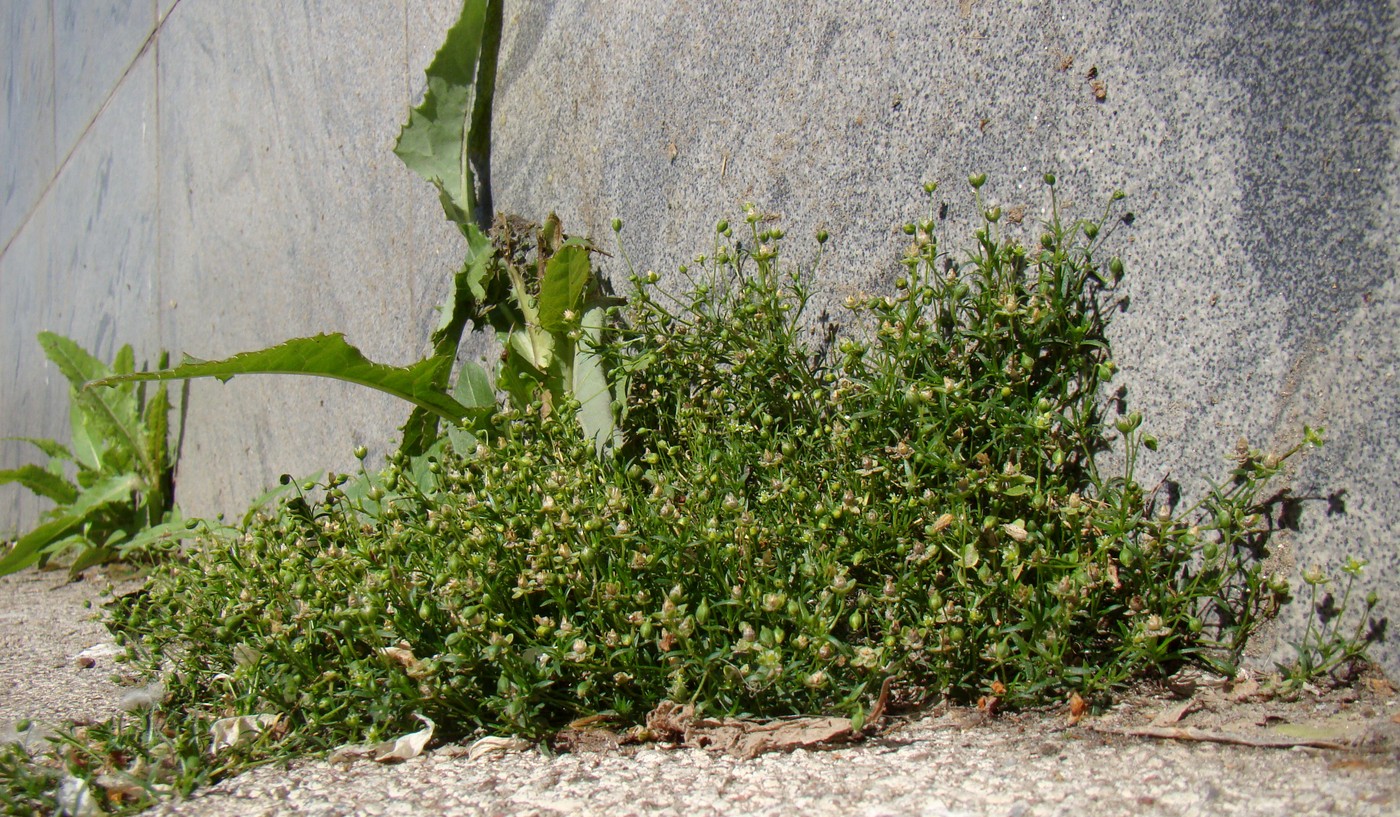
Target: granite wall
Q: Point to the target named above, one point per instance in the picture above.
(210, 177)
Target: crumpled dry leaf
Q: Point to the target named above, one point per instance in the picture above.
(1381, 687)
(121, 789)
(1173, 714)
(749, 739)
(1077, 708)
(398, 750)
(230, 732)
(1244, 689)
(496, 746)
(403, 655)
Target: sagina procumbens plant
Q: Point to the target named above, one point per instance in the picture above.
(783, 526)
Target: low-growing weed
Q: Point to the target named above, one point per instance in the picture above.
(1331, 645)
(118, 501)
(784, 525)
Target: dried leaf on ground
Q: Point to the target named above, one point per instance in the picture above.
(1380, 686)
(403, 748)
(749, 739)
(403, 655)
(496, 746)
(229, 732)
(1174, 714)
(1077, 708)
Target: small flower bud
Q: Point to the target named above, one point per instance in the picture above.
(977, 180)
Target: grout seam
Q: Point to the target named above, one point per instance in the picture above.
(107, 101)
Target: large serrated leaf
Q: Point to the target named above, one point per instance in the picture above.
(105, 426)
(72, 360)
(323, 356)
(42, 482)
(447, 139)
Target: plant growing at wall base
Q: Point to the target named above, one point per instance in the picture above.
(783, 527)
(119, 500)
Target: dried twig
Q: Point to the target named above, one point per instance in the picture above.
(1190, 733)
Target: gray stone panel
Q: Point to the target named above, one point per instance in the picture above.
(26, 150)
(284, 213)
(94, 44)
(84, 267)
(33, 397)
(1254, 141)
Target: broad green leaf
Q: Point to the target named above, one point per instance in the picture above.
(112, 425)
(125, 361)
(103, 419)
(418, 466)
(447, 139)
(43, 482)
(566, 274)
(418, 431)
(473, 388)
(590, 383)
(72, 360)
(101, 554)
(89, 447)
(463, 441)
(517, 383)
(534, 345)
(531, 341)
(468, 288)
(30, 546)
(323, 356)
(157, 426)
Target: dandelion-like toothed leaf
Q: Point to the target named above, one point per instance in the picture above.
(447, 139)
(322, 356)
(43, 482)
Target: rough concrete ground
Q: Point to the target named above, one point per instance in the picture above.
(946, 761)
